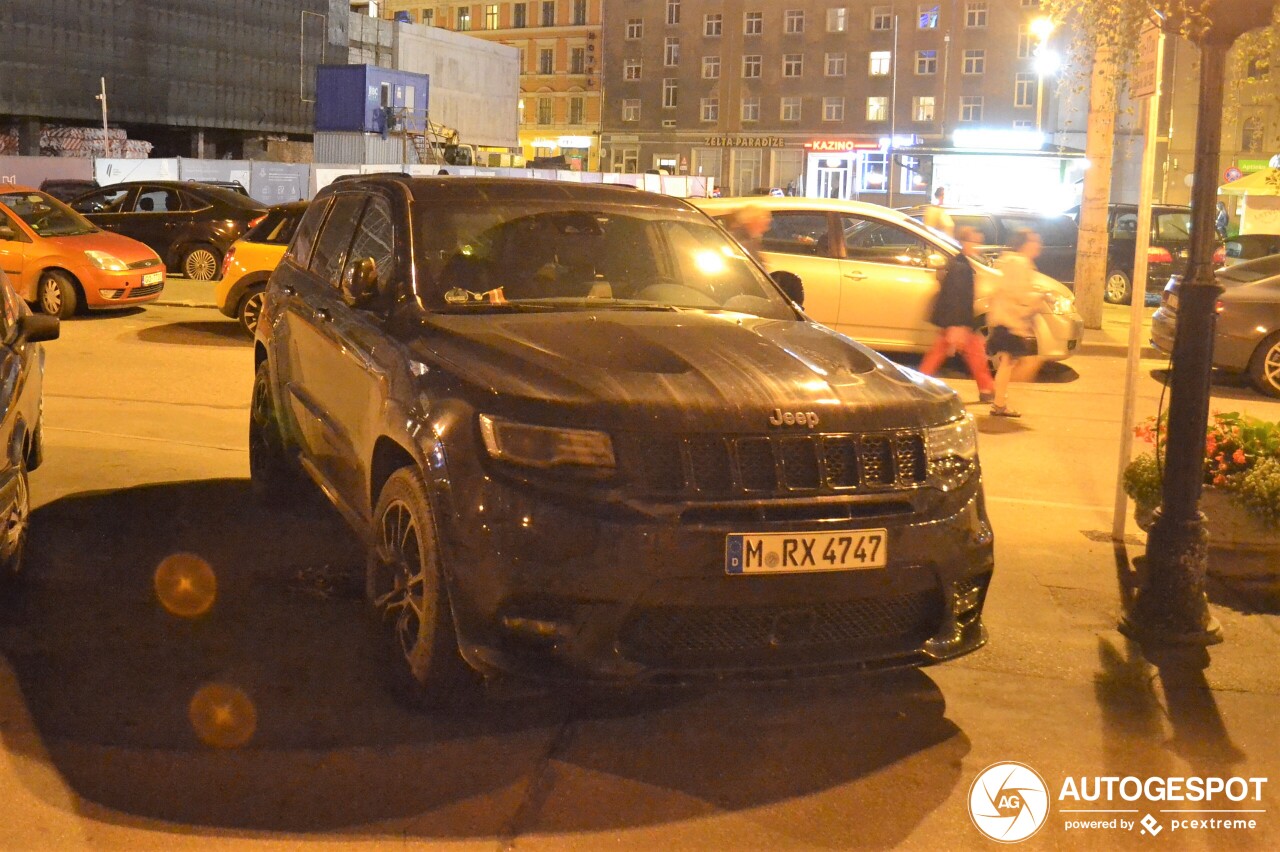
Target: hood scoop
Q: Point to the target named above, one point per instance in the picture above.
(605, 345)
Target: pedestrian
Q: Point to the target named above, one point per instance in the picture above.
(953, 315)
(1222, 221)
(748, 225)
(1014, 303)
(936, 215)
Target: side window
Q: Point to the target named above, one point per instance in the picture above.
(1126, 226)
(798, 232)
(872, 241)
(105, 201)
(7, 221)
(157, 201)
(375, 238)
(191, 202)
(1173, 227)
(984, 226)
(305, 236)
(331, 246)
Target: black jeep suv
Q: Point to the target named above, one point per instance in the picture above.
(588, 438)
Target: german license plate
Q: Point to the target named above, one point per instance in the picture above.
(793, 553)
(152, 278)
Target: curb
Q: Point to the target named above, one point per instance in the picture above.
(163, 303)
(1119, 349)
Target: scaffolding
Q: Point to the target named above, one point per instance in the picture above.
(432, 144)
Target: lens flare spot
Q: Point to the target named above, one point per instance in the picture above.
(223, 716)
(186, 585)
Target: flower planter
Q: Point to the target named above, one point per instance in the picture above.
(1242, 550)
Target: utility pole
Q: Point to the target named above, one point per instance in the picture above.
(102, 96)
(1171, 607)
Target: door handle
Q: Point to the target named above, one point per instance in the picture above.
(324, 315)
(856, 276)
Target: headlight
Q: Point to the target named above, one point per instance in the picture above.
(1062, 305)
(106, 260)
(953, 452)
(546, 446)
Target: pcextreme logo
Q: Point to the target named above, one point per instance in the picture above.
(1009, 802)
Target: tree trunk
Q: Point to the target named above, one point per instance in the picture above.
(1091, 255)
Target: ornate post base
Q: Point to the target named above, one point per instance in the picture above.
(1172, 608)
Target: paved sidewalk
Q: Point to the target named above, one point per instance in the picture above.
(184, 292)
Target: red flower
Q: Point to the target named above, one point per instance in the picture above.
(1219, 480)
(1238, 458)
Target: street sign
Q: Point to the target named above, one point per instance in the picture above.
(1146, 71)
(1233, 174)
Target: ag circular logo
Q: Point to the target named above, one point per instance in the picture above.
(1008, 802)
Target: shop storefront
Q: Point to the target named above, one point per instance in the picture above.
(865, 170)
(578, 151)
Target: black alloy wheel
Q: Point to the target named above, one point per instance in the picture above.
(1264, 366)
(13, 537)
(250, 308)
(271, 470)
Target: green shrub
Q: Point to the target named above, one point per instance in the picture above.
(1259, 491)
(1142, 480)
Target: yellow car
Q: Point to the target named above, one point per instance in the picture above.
(250, 261)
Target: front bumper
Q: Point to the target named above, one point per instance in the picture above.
(1058, 335)
(561, 590)
(104, 289)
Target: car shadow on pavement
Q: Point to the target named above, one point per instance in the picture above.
(114, 313)
(1223, 385)
(117, 653)
(226, 332)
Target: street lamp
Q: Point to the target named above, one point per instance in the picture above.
(1171, 607)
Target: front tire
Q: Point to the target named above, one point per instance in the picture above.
(1119, 288)
(1264, 366)
(271, 470)
(250, 308)
(406, 588)
(57, 294)
(13, 536)
(201, 263)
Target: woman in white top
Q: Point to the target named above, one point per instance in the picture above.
(1014, 303)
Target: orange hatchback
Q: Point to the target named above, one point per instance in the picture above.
(61, 261)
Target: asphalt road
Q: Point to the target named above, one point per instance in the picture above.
(99, 671)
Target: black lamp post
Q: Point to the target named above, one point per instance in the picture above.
(1171, 607)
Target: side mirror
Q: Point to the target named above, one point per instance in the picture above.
(359, 281)
(936, 261)
(33, 328)
(790, 284)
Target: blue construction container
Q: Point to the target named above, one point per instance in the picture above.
(368, 99)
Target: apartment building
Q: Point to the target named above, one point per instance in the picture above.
(560, 66)
(847, 99)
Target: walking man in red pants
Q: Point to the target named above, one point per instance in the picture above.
(953, 315)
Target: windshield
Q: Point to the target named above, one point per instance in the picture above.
(45, 215)
(558, 254)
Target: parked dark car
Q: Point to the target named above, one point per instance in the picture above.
(998, 225)
(21, 424)
(1247, 247)
(233, 185)
(588, 438)
(190, 225)
(65, 189)
(1247, 334)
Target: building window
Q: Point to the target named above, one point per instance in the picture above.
(911, 178)
(926, 62)
(463, 19)
(1252, 134)
(631, 69)
(523, 60)
(790, 108)
(753, 23)
(673, 11)
(546, 61)
(491, 16)
(793, 21)
(833, 109)
(429, 17)
(837, 19)
(975, 62)
(671, 52)
(544, 110)
(635, 29)
(670, 97)
(881, 18)
(792, 64)
(577, 110)
(971, 108)
(1257, 68)
(922, 108)
(878, 66)
(577, 60)
(1026, 43)
(1024, 89)
(877, 109)
(975, 13)
(751, 66)
(712, 25)
(631, 109)
(1023, 124)
(710, 109)
(751, 109)
(711, 67)
(548, 13)
(874, 175)
(579, 13)
(927, 16)
(835, 64)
